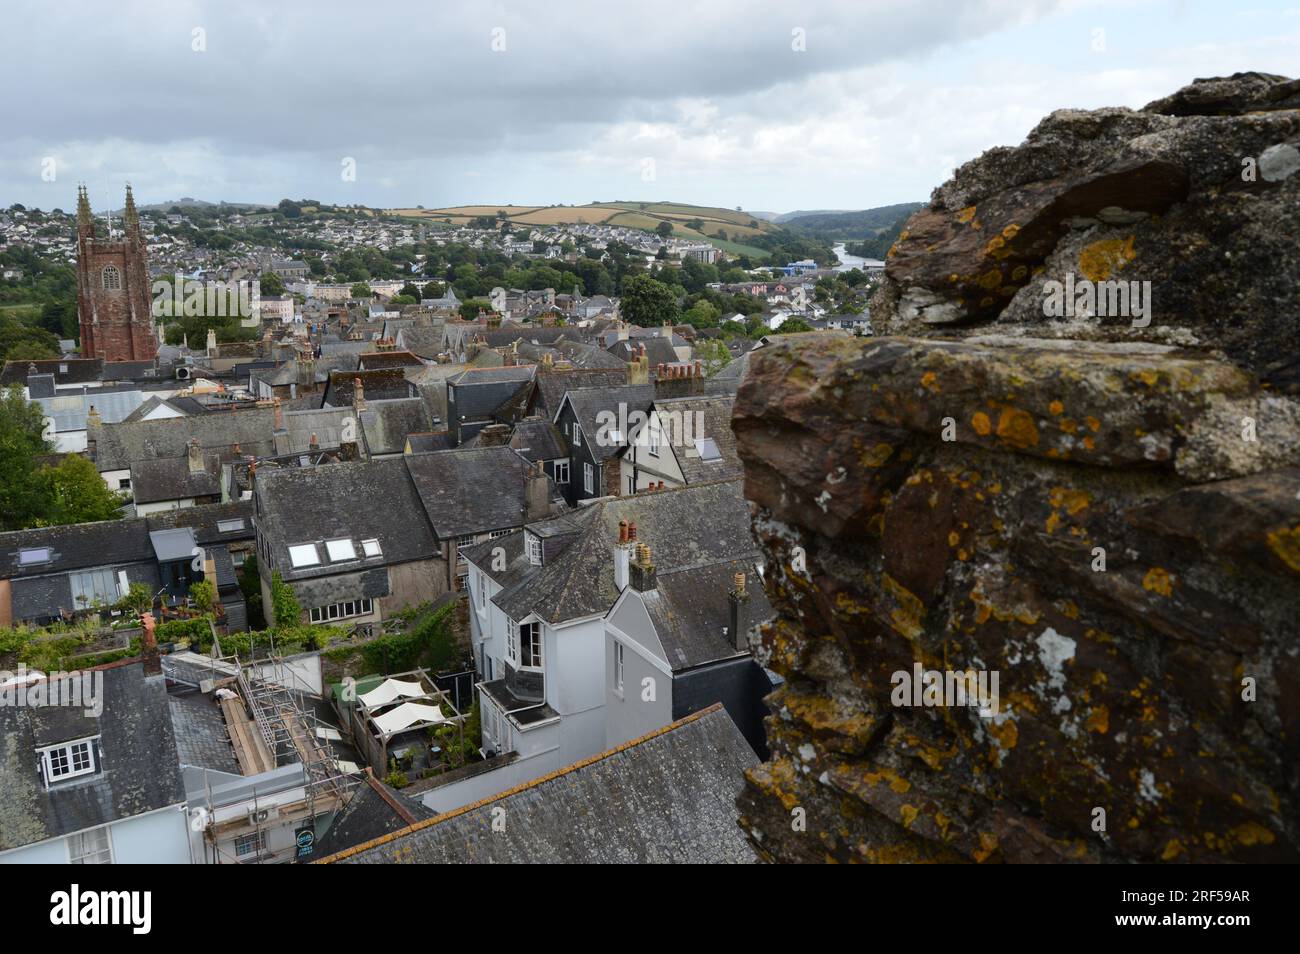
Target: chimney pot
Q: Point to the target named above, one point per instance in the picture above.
(622, 531)
(631, 532)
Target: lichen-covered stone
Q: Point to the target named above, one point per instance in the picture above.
(1198, 195)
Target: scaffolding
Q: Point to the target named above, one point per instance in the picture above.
(272, 693)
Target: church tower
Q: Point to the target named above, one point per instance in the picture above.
(113, 294)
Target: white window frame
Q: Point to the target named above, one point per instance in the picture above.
(530, 634)
(534, 544)
(512, 644)
(653, 436)
(67, 754)
(371, 548)
(561, 471)
(347, 609)
(588, 478)
(577, 435)
(618, 667)
(251, 844)
(92, 855)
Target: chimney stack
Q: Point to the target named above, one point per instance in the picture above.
(642, 571)
(279, 415)
(195, 455)
(314, 445)
(149, 646)
(92, 417)
(638, 369)
(358, 395)
(622, 557)
(494, 435)
(537, 494)
(740, 614)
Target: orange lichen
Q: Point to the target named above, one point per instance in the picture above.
(1158, 580)
(980, 422)
(1286, 544)
(1100, 260)
(1017, 428)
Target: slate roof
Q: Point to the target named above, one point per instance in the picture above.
(538, 439)
(480, 391)
(373, 810)
(715, 411)
(386, 424)
(139, 771)
(202, 740)
(79, 370)
(423, 341)
(667, 797)
(552, 383)
(470, 490)
(76, 546)
(170, 478)
(691, 611)
(689, 527)
(382, 384)
(117, 446)
(429, 441)
(658, 350)
(359, 500)
(589, 403)
(206, 520)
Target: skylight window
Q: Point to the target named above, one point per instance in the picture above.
(708, 449)
(371, 548)
(304, 554)
(229, 526)
(340, 550)
(34, 555)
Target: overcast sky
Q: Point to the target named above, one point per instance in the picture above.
(772, 106)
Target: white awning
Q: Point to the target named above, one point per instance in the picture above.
(389, 690)
(407, 715)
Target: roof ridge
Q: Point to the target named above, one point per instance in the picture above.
(523, 786)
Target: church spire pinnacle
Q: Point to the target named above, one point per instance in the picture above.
(85, 224)
(130, 219)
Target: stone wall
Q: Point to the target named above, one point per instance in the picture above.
(1103, 513)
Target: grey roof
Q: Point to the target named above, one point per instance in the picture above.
(590, 404)
(208, 521)
(552, 383)
(715, 412)
(176, 543)
(425, 341)
(658, 350)
(373, 810)
(470, 490)
(139, 770)
(65, 370)
(429, 441)
(691, 611)
(202, 740)
(538, 439)
(386, 424)
(359, 500)
(668, 797)
(170, 478)
(76, 546)
(117, 446)
(689, 527)
(480, 391)
(325, 423)
(146, 407)
(69, 410)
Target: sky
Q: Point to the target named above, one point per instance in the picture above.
(771, 106)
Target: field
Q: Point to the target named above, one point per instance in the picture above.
(738, 226)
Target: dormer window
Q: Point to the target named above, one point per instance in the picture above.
(112, 278)
(534, 549)
(69, 760)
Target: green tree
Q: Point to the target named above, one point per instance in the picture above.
(793, 326)
(702, 314)
(24, 498)
(714, 354)
(664, 229)
(77, 494)
(410, 291)
(647, 302)
(362, 290)
(138, 599)
(204, 595)
(272, 285)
